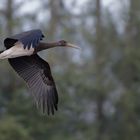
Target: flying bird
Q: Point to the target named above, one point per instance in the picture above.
(21, 52)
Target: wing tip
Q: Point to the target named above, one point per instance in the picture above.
(46, 106)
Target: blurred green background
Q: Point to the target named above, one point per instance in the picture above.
(99, 86)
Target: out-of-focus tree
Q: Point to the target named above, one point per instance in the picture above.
(127, 70)
(11, 129)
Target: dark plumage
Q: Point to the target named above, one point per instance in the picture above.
(21, 51)
(26, 38)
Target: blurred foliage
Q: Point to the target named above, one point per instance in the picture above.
(10, 128)
(98, 87)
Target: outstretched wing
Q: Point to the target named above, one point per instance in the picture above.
(37, 74)
(28, 39)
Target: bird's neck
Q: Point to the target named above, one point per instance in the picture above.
(44, 46)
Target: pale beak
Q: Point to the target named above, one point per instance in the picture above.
(72, 46)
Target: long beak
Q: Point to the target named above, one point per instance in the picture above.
(72, 46)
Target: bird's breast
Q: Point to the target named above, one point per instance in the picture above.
(17, 51)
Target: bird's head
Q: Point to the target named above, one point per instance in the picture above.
(64, 43)
(61, 43)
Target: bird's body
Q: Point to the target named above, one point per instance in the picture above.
(16, 51)
(21, 51)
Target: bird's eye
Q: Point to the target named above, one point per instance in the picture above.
(63, 42)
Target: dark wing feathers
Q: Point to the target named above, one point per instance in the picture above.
(37, 74)
(28, 38)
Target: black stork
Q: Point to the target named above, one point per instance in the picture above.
(21, 51)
